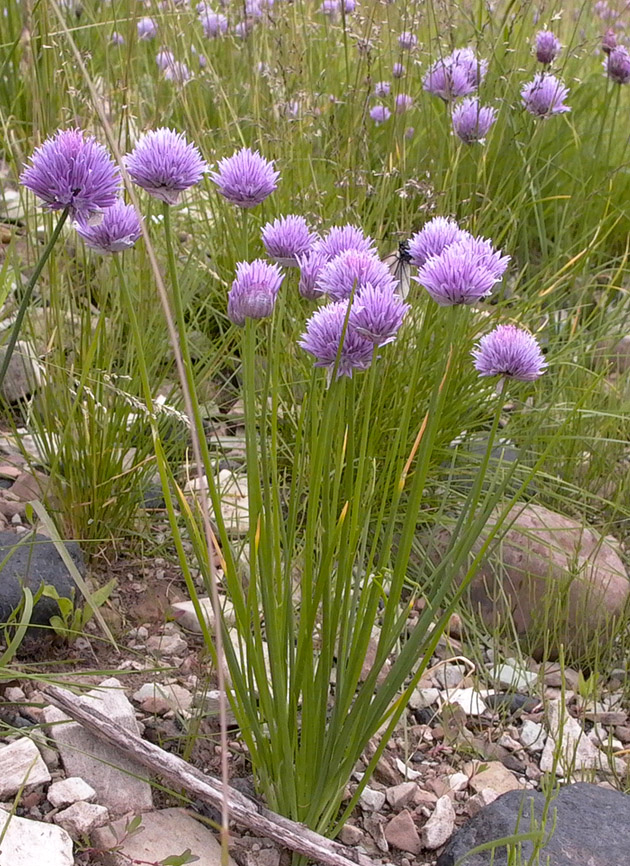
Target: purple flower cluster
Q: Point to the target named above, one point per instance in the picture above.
(351, 271)
(545, 96)
(147, 29)
(472, 121)
(287, 239)
(509, 351)
(254, 291)
(617, 65)
(547, 47)
(118, 230)
(458, 74)
(246, 179)
(164, 164)
(213, 23)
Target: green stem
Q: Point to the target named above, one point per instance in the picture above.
(15, 330)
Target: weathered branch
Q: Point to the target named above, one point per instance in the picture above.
(243, 810)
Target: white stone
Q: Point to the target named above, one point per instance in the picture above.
(177, 697)
(574, 749)
(423, 698)
(163, 834)
(186, 615)
(470, 700)
(26, 843)
(371, 800)
(457, 781)
(69, 791)
(532, 736)
(482, 798)
(80, 819)
(21, 764)
(167, 645)
(450, 676)
(512, 676)
(234, 500)
(118, 781)
(406, 770)
(439, 828)
(510, 743)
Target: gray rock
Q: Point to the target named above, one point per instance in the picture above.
(514, 677)
(187, 617)
(119, 782)
(23, 373)
(21, 764)
(440, 825)
(592, 826)
(371, 800)
(163, 834)
(532, 736)
(26, 842)
(68, 791)
(80, 819)
(34, 561)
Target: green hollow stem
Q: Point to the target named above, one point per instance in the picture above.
(39, 267)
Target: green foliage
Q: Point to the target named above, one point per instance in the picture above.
(73, 618)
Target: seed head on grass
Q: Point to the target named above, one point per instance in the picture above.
(377, 315)
(545, 95)
(246, 179)
(434, 237)
(164, 164)
(463, 273)
(617, 65)
(547, 47)
(322, 339)
(472, 121)
(70, 170)
(287, 238)
(380, 114)
(351, 271)
(509, 351)
(118, 230)
(254, 291)
(342, 238)
(147, 29)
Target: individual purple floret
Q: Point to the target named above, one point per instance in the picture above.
(545, 96)
(609, 42)
(547, 47)
(509, 351)
(472, 121)
(382, 89)
(459, 275)
(350, 271)
(310, 268)
(483, 250)
(380, 114)
(398, 70)
(403, 103)
(117, 38)
(164, 164)
(254, 291)
(246, 178)
(118, 230)
(377, 315)
(147, 29)
(287, 238)
(458, 74)
(617, 65)
(177, 72)
(434, 237)
(72, 171)
(342, 238)
(407, 40)
(213, 23)
(322, 339)
(164, 58)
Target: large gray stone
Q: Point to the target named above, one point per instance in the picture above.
(163, 834)
(21, 764)
(592, 828)
(23, 373)
(26, 842)
(32, 562)
(120, 783)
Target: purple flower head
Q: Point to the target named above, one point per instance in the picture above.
(177, 72)
(213, 23)
(377, 315)
(458, 74)
(287, 238)
(472, 121)
(164, 58)
(459, 275)
(351, 271)
(609, 42)
(330, 8)
(253, 9)
(409, 132)
(322, 339)
(164, 164)
(201, 59)
(147, 29)
(407, 40)
(617, 65)
(118, 230)
(246, 178)
(310, 269)
(382, 89)
(547, 47)
(342, 238)
(71, 171)
(254, 291)
(380, 114)
(398, 70)
(603, 10)
(545, 96)
(403, 102)
(509, 351)
(117, 38)
(349, 6)
(243, 29)
(434, 237)
(484, 252)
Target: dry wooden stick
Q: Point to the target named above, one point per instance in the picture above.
(243, 810)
